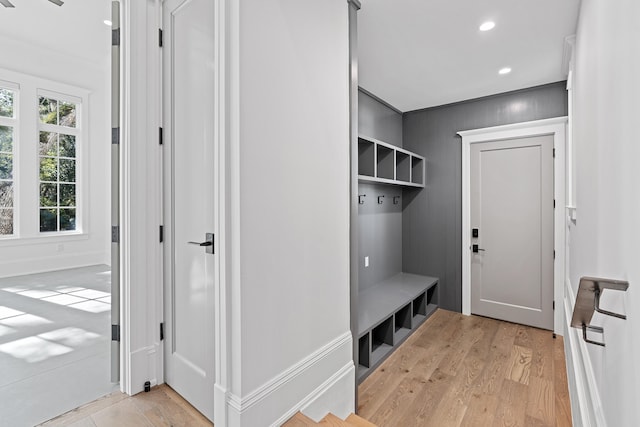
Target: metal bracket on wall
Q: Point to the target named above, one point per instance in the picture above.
(395, 199)
(588, 301)
(361, 198)
(380, 199)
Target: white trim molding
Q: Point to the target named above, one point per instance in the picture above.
(557, 128)
(586, 406)
(302, 387)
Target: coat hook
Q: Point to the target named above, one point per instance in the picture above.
(380, 199)
(361, 198)
(395, 199)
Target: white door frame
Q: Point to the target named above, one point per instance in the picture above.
(557, 128)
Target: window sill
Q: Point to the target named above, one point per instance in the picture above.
(63, 237)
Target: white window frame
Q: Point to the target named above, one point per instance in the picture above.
(26, 171)
(13, 122)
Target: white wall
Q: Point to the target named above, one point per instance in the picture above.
(603, 241)
(293, 203)
(49, 253)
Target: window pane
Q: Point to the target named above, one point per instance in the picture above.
(67, 145)
(67, 170)
(6, 103)
(6, 194)
(67, 114)
(6, 139)
(48, 195)
(48, 111)
(67, 219)
(48, 169)
(6, 166)
(48, 144)
(48, 220)
(68, 195)
(6, 222)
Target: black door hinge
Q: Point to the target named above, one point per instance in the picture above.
(161, 233)
(160, 136)
(115, 332)
(554, 203)
(161, 331)
(554, 305)
(554, 153)
(160, 37)
(115, 135)
(554, 254)
(115, 234)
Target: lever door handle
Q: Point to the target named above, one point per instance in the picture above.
(476, 249)
(208, 243)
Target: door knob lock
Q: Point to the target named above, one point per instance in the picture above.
(476, 249)
(208, 243)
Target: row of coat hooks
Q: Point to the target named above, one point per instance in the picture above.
(380, 199)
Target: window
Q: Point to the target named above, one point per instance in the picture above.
(7, 127)
(43, 134)
(57, 164)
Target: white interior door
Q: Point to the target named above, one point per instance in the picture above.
(189, 95)
(512, 211)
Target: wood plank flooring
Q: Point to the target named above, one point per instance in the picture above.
(460, 370)
(160, 407)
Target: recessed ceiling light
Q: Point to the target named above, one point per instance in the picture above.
(505, 70)
(107, 22)
(487, 26)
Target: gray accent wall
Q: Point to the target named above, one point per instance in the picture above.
(431, 220)
(378, 121)
(379, 233)
(379, 225)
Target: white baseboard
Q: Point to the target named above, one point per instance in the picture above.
(322, 382)
(42, 264)
(586, 406)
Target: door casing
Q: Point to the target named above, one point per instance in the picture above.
(557, 128)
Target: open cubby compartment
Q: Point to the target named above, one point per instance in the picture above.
(432, 299)
(419, 308)
(403, 166)
(402, 327)
(366, 157)
(364, 354)
(417, 170)
(386, 162)
(381, 340)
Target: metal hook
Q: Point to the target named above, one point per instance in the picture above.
(380, 199)
(395, 199)
(361, 198)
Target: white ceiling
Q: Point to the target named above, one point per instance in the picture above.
(76, 28)
(422, 53)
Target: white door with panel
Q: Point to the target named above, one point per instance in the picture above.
(512, 230)
(190, 199)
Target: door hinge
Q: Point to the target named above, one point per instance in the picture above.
(554, 254)
(115, 332)
(115, 234)
(161, 331)
(161, 233)
(554, 153)
(115, 37)
(554, 305)
(160, 136)
(554, 203)
(115, 135)
(160, 37)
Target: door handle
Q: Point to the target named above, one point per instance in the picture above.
(476, 249)
(208, 243)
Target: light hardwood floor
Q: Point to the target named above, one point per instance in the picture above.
(160, 407)
(454, 370)
(460, 370)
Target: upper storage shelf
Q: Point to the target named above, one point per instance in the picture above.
(388, 164)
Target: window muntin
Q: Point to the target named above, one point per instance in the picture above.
(7, 160)
(57, 164)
